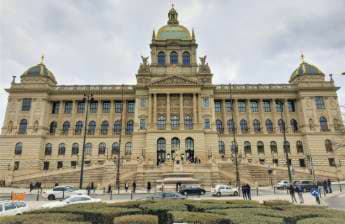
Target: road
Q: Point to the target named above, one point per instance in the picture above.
(337, 201)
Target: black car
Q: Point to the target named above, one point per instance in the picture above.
(192, 191)
(306, 185)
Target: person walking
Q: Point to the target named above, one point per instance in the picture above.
(329, 183)
(316, 193)
(134, 185)
(325, 187)
(291, 189)
(109, 189)
(248, 192)
(299, 190)
(126, 186)
(93, 187)
(244, 192)
(31, 186)
(148, 187)
(319, 187)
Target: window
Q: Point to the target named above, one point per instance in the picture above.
(186, 58)
(275, 162)
(219, 126)
(261, 147)
(188, 121)
(244, 126)
(254, 106)
(331, 162)
(281, 125)
(205, 102)
(88, 149)
(115, 148)
(217, 106)
(118, 106)
(267, 106)
(26, 104)
(81, 107)
(175, 122)
(319, 102)
(16, 165)
(78, 128)
(75, 149)
(48, 149)
(52, 127)
(294, 125)
(102, 148)
(142, 123)
(247, 148)
(62, 149)
(175, 145)
(104, 127)
(161, 58)
(92, 128)
(228, 105)
(131, 107)
(256, 125)
(46, 165)
(93, 106)
(291, 105)
(55, 107)
(299, 147)
(161, 122)
(269, 126)
(161, 150)
(274, 148)
(129, 129)
(143, 101)
(68, 107)
(231, 125)
(65, 127)
(117, 127)
(23, 125)
(323, 124)
(207, 123)
(128, 148)
(287, 147)
(189, 148)
(328, 145)
(18, 148)
(221, 147)
(173, 58)
(59, 164)
(279, 106)
(241, 106)
(73, 164)
(106, 106)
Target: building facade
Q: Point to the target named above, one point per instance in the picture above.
(174, 120)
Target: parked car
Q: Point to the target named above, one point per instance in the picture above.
(166, 195)
(224, 190)
(74, 199)
(13, 207)
(306, 185)
(62, 192)
(283, 184)
(192, 190)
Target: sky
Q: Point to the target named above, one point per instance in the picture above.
(100, 42)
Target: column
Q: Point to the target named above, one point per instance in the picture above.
(199, 110)
(124, 117)
(262, 116)
(224, 114)
(168, 111)
(150, 111)
(181, 112)
(287, 117)
(154, 109)
(236, 116)
(249, 117)
(194, 111)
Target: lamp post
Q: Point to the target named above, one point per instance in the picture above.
(310, 161)
(88, 96)
(119, 151)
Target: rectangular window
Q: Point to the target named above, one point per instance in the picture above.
(275, 161)
(106, 106)
(73, 164)
(320, 103)
(254, 106)
(279, 106)
(218, 106)
(241, 106)
(143, 101)
(207, 123)
(205, 102)
(301, 162)
(131, 106)
(291, 106)
(55, 107)
(118, 106)
(267, 106)
(228, 105)
(93, 106)
(142, 124)
(331, 162)
(26, 104)
(68, 107)
(290, 162)
(81, 107)
(16, 165)
(59, 164)
(46, 165)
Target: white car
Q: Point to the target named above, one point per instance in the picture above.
(74, 199)
(60, 192)
(283, 184)
(222, 190)
(13, 207)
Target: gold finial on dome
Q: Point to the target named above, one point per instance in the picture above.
(42, 59)
(302, 58)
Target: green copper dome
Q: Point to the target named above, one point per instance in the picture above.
(39, 70)
(306, 69)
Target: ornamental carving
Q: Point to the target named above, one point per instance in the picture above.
(203, 66)
(175, 80)
(144, 66)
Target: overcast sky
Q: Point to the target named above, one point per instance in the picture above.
(100, 42)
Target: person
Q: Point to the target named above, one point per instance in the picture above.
(149, 187)
(88, 189)
(299, 190)
(248, 192)
(329, 183)
(316, 193)
(325, 187)
(56, 184)
(319, 187)
(244, 192)
(31, 186)
(134, 185)
(109, 189)
(291, 189)
(126, 186)
(93, 187)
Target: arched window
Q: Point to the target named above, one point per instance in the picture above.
(299, 147)
(274, 148)
(175, 146)
(115, 148)
(78, 128)
(244, 126)
(260, 147)
(161, 122)
(104, 127)
(219, 126)
(173, 58)
(231, 125)
(294, 125)
(161, 58)
(323, 124)
(65, 127)
(75, 149)
(88, 148)
(117, 127)
(18, 149)
(221, 147)
(269, 126)
(286, 147)
(281, 125)
(256, 125)
(161, 150)
(128, 148)
(186, 58)
(247, 148)
(23, 126)
(92, 128)
(188, 121)
(175, 123)
(62, 149)
(328, 145)
(48, 149)
(189, 148)
(52, 127)
(101, 148)
(129, 129)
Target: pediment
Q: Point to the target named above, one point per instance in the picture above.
(174, 80)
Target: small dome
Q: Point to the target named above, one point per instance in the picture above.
(305, 69)
(39, 70)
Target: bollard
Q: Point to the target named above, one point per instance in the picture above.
(38, 195)
(63, 194)
(257, 191)
(132, 195)
(111, 194)
(274, 190)
(340, 189)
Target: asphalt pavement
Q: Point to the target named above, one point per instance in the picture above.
(336, 201)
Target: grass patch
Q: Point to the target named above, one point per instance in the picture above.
(136, 219)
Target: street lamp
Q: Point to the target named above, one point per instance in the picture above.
(119, 151)
(311, 166)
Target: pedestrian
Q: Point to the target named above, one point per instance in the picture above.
(329, 183)
(316, 193)
(134, 185)
(325, 187)
(248, 192)
(93, 187)
(244, 192)
(109, 189)
(319, 187)
(126, 186)
(56, 184)
(31, 186)
(148, 187)
(291, 189)
(299, 190)
(88, 189)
